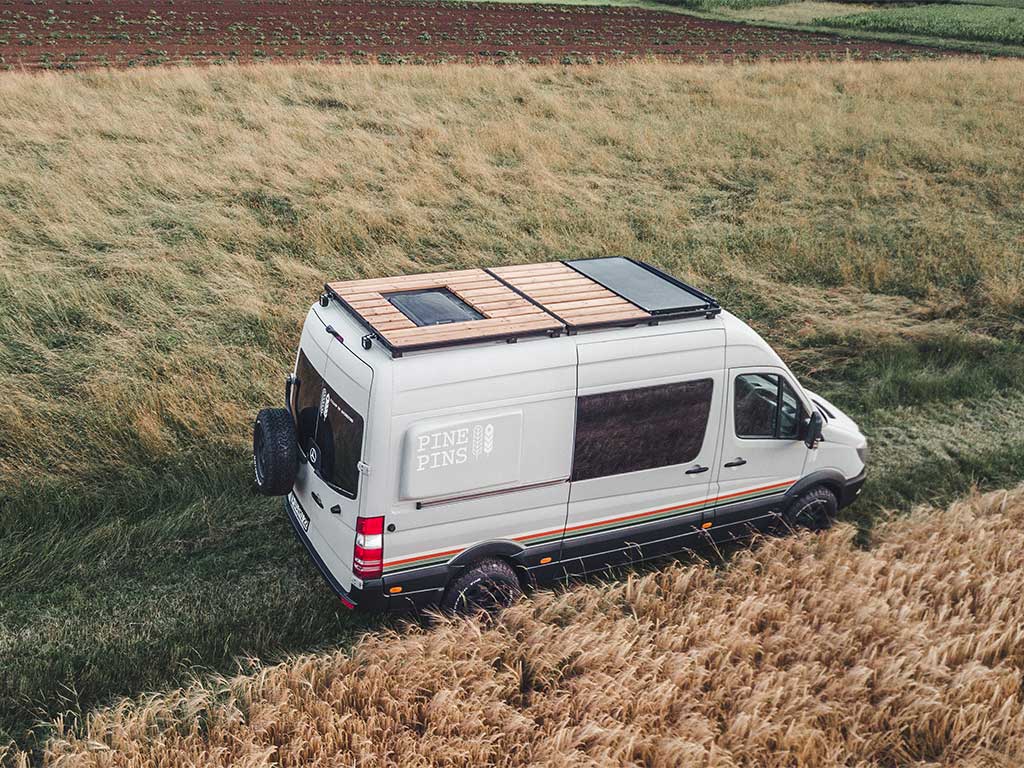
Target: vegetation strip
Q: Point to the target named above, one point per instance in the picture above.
(965, 22)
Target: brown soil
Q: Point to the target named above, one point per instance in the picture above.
(87, 33)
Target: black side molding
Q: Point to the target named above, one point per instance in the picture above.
(844, 489)
(501, 548)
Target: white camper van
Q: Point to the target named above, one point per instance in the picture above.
(451, 437)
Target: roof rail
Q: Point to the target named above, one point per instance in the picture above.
(412, 313)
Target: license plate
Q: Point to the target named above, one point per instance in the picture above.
(300, 515)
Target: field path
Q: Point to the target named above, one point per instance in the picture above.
(125, 33)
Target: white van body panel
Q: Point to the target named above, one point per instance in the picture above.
(746, 348)
(470, 445)
(467, 423)
(696, 353)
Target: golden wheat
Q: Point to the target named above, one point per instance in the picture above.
(805, 651)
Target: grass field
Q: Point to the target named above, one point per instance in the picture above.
(807, 651)
(962, 22)
(162, 234)
(807, 12)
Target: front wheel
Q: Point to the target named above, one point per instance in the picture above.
(487, 587)
(813, 510)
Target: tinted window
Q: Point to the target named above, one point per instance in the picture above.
(789, 412)
(330, 433)
(766, 406)
(340, 439)
(636, 429)
(306, 401)
(435, 306)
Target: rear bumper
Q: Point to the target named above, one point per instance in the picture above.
(369, 597)
(852, 488)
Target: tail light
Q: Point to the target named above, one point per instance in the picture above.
(368, 558)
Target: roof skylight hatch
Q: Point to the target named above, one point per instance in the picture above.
(433, 306)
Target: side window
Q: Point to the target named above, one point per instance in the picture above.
(636, 429)
(766, 406)
(790, 412)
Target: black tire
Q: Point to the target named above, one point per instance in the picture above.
(486, 587)
(275, 452)
(813, 510)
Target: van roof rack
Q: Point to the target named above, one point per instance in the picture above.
(411, 313)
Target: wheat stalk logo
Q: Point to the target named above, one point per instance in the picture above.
(489, 438)
(478, 437)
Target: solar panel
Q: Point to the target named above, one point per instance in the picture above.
(647, 287)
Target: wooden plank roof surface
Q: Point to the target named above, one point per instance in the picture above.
(570, 295)
(527, 300)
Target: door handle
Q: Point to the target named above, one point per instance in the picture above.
(696, 470)
(739, 461)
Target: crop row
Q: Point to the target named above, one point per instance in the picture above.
(960, 22)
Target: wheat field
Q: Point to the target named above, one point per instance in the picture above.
(806, 651)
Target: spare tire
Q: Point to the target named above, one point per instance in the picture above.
(275, 452)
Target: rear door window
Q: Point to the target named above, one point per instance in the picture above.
(340, 439)
(306, 401)
(330, 432)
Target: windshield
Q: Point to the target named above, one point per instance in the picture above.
(330, 432)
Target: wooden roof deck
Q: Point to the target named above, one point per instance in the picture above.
(525, 300)
(506, 313)
(570, 296)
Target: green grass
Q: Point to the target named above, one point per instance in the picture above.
(962, 22)
(999, 3)
(163, 234)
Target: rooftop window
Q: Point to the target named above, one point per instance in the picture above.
(433, 306)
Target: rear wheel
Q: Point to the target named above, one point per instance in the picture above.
(486, 587)
(813, 510)
(275, 452)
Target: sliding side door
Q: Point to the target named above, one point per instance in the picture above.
(645, 444)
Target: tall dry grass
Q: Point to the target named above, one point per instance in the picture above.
(162, 232)
(804, 652)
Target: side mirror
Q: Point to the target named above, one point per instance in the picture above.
(812, 430)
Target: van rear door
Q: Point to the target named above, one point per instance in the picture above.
(331, 405)
(646, 440)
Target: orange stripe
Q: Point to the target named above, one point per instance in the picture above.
(633, 516)
(609, 521)
(414, 558)
(753, 490)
